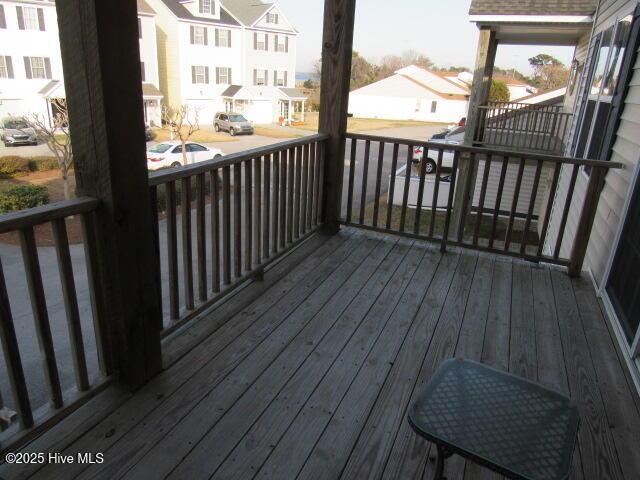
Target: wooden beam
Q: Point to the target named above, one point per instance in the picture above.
(101, 61)
(337, 48)
(482, 75)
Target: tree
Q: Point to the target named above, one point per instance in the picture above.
(393, 63)
(182, 122)
(499, 91)
(55, 135)
(362, 72)
(548, 72)
(309, 84)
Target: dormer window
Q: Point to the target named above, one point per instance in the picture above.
(205, 7)
(272, 18)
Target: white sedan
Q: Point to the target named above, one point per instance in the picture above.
(169, 154)
(432, 155)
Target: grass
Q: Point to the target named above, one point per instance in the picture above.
(363, 124)
(275, 132)
(201, 136)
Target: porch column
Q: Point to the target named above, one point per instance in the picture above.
(482, 76)
(337, 47)
(100, 56)
(302, 118)
(289, 112)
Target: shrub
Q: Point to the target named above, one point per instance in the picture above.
(13, 165)
(41, 164)
(162, 193)
(23, 196)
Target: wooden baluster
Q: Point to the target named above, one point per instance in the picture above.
(215, 230)
(423, 171)
(282, 226)
(321, 160)
(226, 225)
(548, 210)
(452, 187)
(172, 251)
(237, 219)
(201, 241)
(352, 172)
(532, 204)
(266, 206)
(249, 187)
(392, 184)
(483, 194)
(304, 178)
(467, 199)
(311, 160)
(65, 268)
(40, 315)
(290, 184)
(187, 260)
(436, 193)
(514, 205)
(11, 351)
(565, 211)
(365, 180)
(407, 183)
(153, 194)
(496, 208)
(316, 187)
(275, 200)
(296, 197)
(257, 207)
(376, 204)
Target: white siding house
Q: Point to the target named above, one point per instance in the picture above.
(412, 93)
(30, 63)
(209, 50)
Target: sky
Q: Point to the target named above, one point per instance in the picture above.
(438, 29)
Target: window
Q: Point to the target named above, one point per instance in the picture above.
(272, 18)
(6, 67)
(260, 41)
(280, 78)
(30, 18)
(205, 6)
(434, 106)
(194, 147)
(3, 19)
(607, 58)
(281, 43)
(223, 38)
(198, 35)
(260, 77)
(199, 74)
(37, 67)
(223, 75)
(143, 71)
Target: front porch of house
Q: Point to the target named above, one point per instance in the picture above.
(309, 373)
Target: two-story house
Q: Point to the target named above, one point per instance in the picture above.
(31, 75)
(236, 55)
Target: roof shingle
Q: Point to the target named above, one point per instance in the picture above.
(533, 7)
(179, 11)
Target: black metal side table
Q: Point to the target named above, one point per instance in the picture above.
(508, 424)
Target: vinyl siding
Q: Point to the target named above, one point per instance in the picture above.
(168, 53)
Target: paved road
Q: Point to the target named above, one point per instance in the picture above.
(18, 293)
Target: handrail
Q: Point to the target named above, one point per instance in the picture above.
(47, 213)
(488, 151)
(172, 174)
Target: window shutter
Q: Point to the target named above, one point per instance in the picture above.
(275, 78)
(217, 75)
(275, 43)
(142, 71)
(255, 76)
(47, 67)
(9, 64)
(286, 44)
(206, 36)
(286, 78)
(139, 28)
(255, 40)
(20, 18)
(41, 19)
(206, 75)
(230, 80)
(200, 6)
(27, 67)
(192, 34)
(266, 42)
(3, 19)
(193, 74)
(217, 38)
(229, 38)
(266, 78)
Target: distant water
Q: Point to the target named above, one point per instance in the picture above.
(302, 76)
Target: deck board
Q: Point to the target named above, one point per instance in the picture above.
(311, 373)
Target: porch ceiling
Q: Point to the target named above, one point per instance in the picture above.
(537, 33)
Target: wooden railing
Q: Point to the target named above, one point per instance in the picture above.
(521, 126)
(23, 224)
(259, 204)
(513, 197)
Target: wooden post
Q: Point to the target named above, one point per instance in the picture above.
(587, 217)
(101, 60)
(337, 48)
(482, 75)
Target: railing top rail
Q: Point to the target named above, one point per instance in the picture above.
(487, 151)
(524, 107)
(173, 174)
(46, 213)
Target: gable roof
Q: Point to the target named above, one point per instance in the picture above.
(182, 13)
(509, 80)
(247, 11)
(143, 7)
(533, 7)
(434, 81)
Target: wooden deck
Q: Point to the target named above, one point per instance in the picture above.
(309, 373)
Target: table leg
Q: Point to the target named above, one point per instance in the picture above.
(443, 454)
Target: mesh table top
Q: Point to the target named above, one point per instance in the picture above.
(505, 422)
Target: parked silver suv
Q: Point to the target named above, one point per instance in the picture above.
(17, 131)
(234, 123)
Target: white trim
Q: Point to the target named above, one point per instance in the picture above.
(531, 18)
(280, 14)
